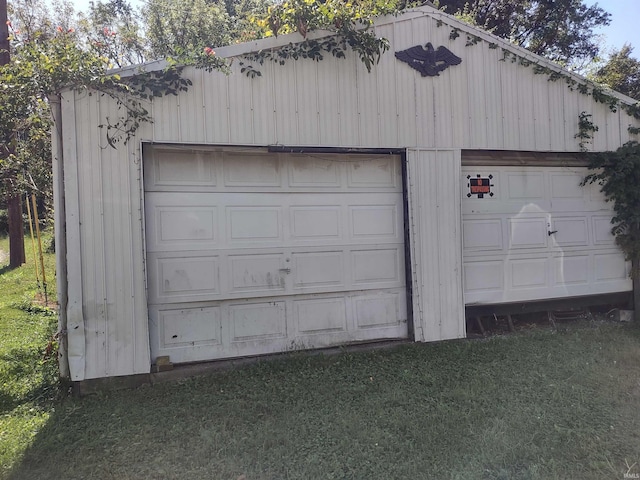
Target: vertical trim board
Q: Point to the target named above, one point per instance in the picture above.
(75, 320)
(435, 213)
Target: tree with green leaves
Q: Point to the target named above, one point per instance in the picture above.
(175, 29)
(618, 174)
(621, 73)
(112, 30)
(47, 59)
(561, 30)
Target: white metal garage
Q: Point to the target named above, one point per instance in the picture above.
(194, 240)
(250, 252)
(532, 233)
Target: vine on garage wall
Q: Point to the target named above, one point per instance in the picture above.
(586, 128)
(618, 174)
(350, 22)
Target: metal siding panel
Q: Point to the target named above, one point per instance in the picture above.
(459, 103)
(510, 124)
(541, 94)
(141, 357)
(452, 310)
(426, 89)
(556, 116)
(75, 320)
(492, 97)
(405, 85)
(329, 127)
(284, 82)
(368, 110)
(434, 229)
(601, 115)
(167, 130)
(216, 107)
(612, 130)
(477, 69)
(117, 241)
(94, 263)
(263, 108)
(240, 112)
(348, 103)
(386, 93)
(307, 101)
(526, 115)
(113, 304)
(444, 117)
(571, 112)
(191, 108)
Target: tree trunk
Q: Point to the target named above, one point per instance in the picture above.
(16, 232)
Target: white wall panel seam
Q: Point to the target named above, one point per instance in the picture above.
(132, 261)
(105, 311)
(228, 105)
(203, 111)
(418, 284)
(75, 320)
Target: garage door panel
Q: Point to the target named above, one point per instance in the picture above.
(196, 275)
(187, 276)
(273, 251)
(253, 224)
(378, 310)
(527, 186)
(314, 172)
(528, 273)
(377, 266)
(610, 267)
(381, 173)
(234, 328)
(572, 270)
(257, 321)
(318, 316)
(483, 276)
(189, 326)
(482, 235)
(558, 237)
(374, 221)
(313, 223)
(181, 169)
(257, 273)
(570, 231)
(528, 232)
(251, 170)
(602, 230)
(311, 270)
(566, 185)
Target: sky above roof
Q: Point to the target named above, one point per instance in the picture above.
(623, 29)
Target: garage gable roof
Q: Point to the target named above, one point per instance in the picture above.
(473, 34)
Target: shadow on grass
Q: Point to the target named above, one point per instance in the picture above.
(6, 268)
(23, 366)
(537, 406)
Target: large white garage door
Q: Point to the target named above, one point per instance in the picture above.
(250, 252)
(533, 233)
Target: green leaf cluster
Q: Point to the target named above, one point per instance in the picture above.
(618, 174)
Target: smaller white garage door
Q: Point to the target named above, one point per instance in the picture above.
(533, 233)
(250, 252)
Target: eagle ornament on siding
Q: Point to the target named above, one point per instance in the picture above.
(428, 61)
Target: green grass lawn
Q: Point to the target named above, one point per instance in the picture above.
(27, 379)
(539, 404)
